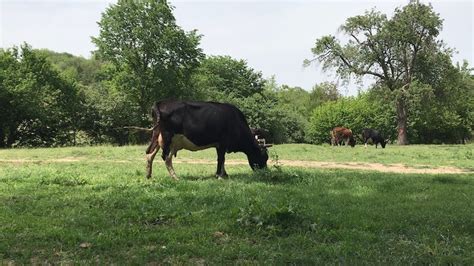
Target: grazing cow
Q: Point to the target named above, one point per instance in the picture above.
(340, 135)
(374, 135)
(200, 125)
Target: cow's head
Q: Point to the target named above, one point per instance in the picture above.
(383, 142)
(258, 159)
(352, 141)
(259, 156)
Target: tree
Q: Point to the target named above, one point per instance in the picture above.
(294, 99)
(82, 70)
(222, 78)
(391, 50)
(355, 113)
(153, 57)
(264, 104)
(39, 107)
(323, 92)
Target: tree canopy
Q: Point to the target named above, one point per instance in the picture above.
(391, 50)
(38, 107)
(221, 77)
(154, 56)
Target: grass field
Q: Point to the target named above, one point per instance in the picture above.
(93, 205)
(461, 156)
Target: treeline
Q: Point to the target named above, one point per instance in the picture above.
(57, 99)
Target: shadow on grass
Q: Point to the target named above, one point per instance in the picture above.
(449, 179)
(271, 175)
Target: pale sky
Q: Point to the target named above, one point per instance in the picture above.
(272, 36)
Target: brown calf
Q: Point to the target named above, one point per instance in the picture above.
(341, 135)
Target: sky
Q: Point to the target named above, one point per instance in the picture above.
(272, 36)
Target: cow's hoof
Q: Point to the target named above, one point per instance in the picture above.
(220, 177)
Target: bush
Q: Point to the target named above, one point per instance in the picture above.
(355, 113)
(280, 124)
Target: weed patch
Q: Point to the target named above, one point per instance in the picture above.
(68, 181)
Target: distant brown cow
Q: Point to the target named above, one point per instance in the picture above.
(341, 135)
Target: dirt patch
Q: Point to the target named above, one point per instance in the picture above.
(56, 160)
(391, 168)
(385, 168)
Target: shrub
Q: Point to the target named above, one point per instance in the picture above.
(355, 113)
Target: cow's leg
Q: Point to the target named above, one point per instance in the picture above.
(151, 151)
(169, 165)
(166, 138)
(220, 163)
(365, 142)
(168, 152)
(333, 139)
(149, 161)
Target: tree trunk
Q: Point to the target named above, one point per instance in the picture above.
(402, 121)
(2, 138)
(11, 137)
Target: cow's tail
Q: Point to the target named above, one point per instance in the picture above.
(139, 128)
(155, 113)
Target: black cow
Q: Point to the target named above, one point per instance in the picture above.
(368, 133)
(196, 126)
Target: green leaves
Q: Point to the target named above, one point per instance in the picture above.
(354, 113)
(391, 50)
(385, 48)
(39, 106)
(227, 77)
(142, 39)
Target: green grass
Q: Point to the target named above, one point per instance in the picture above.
(102, 210)
(436, 155)
(461, 156)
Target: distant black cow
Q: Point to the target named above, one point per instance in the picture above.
(374, 135)
(196, 126)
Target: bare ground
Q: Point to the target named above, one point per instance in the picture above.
(386, 168)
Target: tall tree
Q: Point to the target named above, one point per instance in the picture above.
(39, 107)
(391, 50)
(323, 92)
(153, 56)
(295, 99)
(223, 78)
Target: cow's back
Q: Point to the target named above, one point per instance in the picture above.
(370, 133)
(205, 123)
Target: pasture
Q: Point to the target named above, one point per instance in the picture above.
(93, 205)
